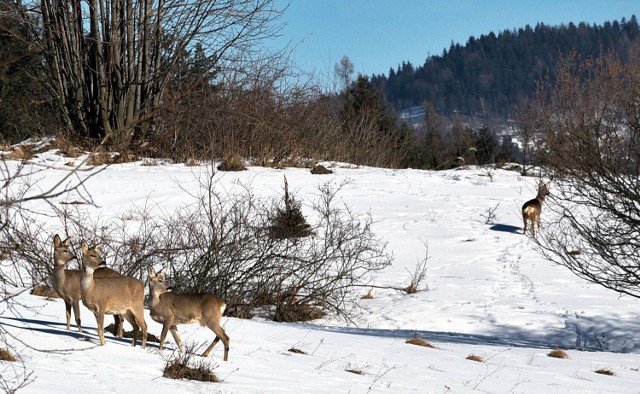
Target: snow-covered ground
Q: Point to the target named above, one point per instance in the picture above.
(489, 294)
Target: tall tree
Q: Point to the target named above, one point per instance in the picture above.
(110, 62)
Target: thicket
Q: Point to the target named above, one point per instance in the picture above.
(233, 244)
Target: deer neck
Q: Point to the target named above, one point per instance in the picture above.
(154, 298)
(540, 198)
(87, 278)
(59, 274)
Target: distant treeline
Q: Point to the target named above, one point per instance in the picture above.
(491, 74)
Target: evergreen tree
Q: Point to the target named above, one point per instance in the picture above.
(486, 144)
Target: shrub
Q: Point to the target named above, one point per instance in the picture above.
(233, 163)
(320, 170)
(289, 222)
(177, 367)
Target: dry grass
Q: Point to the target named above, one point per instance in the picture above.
(149, 163)
(419, 342)
(558, 353)
(191, 162)
(296, 312)
(605, 371)
(44, 291)
(66, 148)
(475, 358)
(20, 152)
(368, 296)
(5, 355)
(296, 350)
(179, 368)
(100, 158)
(106, 158)
(355, 371)
(233, 163)
(320, 170)
(574, 253)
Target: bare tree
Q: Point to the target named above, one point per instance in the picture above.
(344, 72)
(592, 148)
(110, 62)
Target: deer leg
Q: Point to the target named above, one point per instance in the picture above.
(100, 321)
(76, 313)
(130, 317)
(220, 335)
(174, 333)
(139, 316)
(524, 219)
(168, 322)
(118, 323)
(67, 306)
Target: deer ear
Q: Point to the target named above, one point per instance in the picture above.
(67, 241)
(56, 241)
(150, 270)
(84, 246)
(98, 247)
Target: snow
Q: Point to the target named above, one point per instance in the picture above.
(489, 294)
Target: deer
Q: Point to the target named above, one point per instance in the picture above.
(531, 209)
(67, 282)
(121, 295)
(171, 309)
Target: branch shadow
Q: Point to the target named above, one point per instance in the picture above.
(580, 333)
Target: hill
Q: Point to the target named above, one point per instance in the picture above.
(490, 75)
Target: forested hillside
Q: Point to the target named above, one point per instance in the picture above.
(489, 75)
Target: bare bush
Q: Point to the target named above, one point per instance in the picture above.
(226, 249)
(223, 244)
(592, 134)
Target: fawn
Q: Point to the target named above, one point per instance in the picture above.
(172, 309)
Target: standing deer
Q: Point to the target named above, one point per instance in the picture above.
(121, 295)
(531, 209)
(172, 309)
(67, 282)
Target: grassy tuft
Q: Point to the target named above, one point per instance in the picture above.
(178, 367)
(605, 371)
(558, 353)
(233, 163)
(5, 355)
(419, 342)
(475, 358)
(44, 291)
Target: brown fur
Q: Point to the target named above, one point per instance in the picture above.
(172, 309)
(531, 209)
(67, 282)
(121, 295)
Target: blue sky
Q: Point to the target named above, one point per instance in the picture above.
(379, 34)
